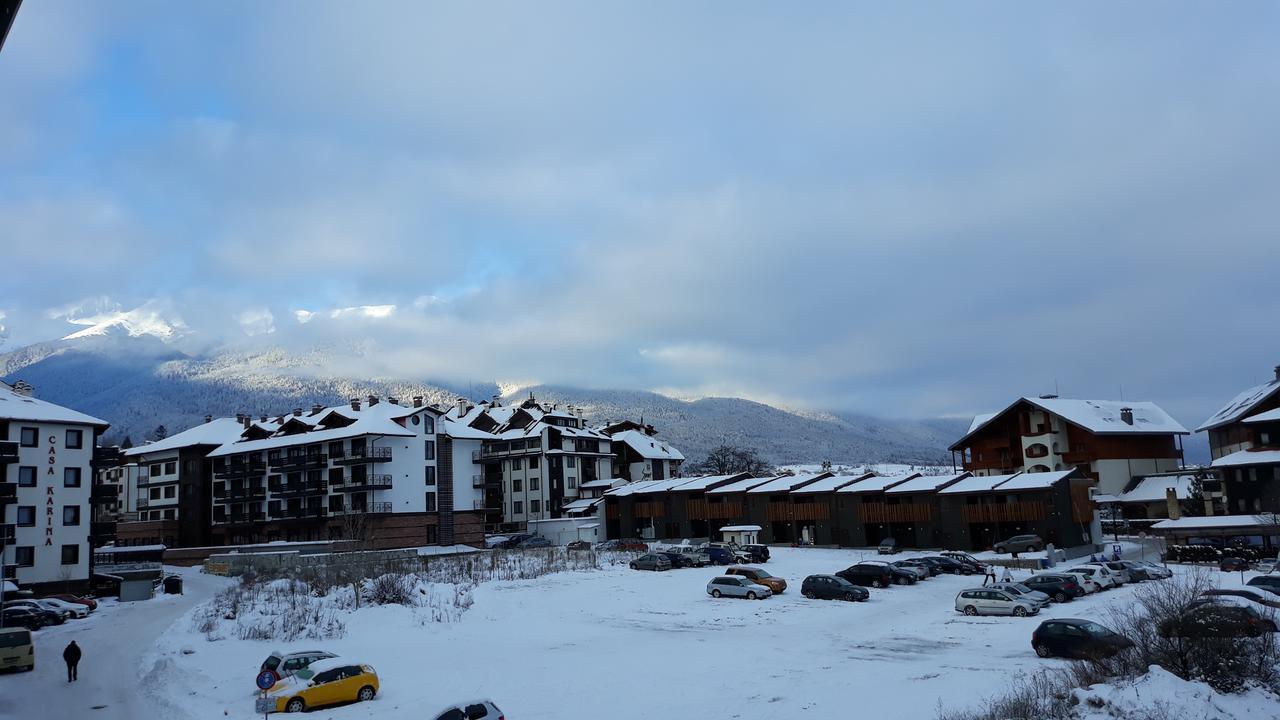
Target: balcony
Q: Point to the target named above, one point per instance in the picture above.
(8, 534)
(300, 513)
(310, 461)
(1005, 512)
(366, 509)
(882, 513)
(232, 471)
(242, 518)
(102, 531)
(8, 492)
(100, 494)
(245, 491)
(8, 452)
(477, 481)
(288, 490)
(371, 482)
(144, 503)
(368, 455)
(105, 457)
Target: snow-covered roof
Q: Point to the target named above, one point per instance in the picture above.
(1151, 489)
(1264, 417)
(877, 483)
(740, 486)
(632, 488)
(787, 482)
(925, 483)
(829, 484)
(218, 431)
(1219, 521)
(1241, 404)
(1035, 481)
(647, 447)
(706, 481)
(1101, 417)
(20, 407)
(591, 484)
(668, 484)
(377, 419)
(1248, 457)
(977, 483)
(740, 528)
(581, 504)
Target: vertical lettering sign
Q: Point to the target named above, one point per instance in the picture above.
(50, 478)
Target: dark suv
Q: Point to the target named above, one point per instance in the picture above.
(1213, 619)
(1060, 588)
(873, 575)
(758, 553)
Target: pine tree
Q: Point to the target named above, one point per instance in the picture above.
(161, 432)
(128, 443)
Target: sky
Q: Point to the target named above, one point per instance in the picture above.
(908, 210)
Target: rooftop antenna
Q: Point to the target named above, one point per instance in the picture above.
(1122, 392)
(1055, 386)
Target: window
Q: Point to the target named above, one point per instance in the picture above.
(70, 554)
(433, 535)
(417, 420)
(26, 515)
(24, 556)
(71, 477)
(70, 514)
(430, 446)
(517, 508)
(170, 468)
(26, 476)
(170, 492)
(573, 482)
(429, 425)
(155, 493)
(517, 485)
(157, 469)
(431, 474)
(75, 439)
(170, 514)
(571, 461)
(335, 449)
(30, 437)
(535, 506)
(517, 463)
(431, 502)
(534, 484)
(533, 463)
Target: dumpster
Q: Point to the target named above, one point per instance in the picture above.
(173, 585)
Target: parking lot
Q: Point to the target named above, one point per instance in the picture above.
(633, 644)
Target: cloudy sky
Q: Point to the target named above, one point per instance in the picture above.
(863, 206)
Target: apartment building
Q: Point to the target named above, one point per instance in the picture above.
(47, 467)
(373, 470)
(1244, 444)
(1108, 440)
(639, 455)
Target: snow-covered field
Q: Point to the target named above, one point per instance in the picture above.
(623, 644)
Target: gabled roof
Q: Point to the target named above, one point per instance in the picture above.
(1219, 521)
(632, 488)
(1101, 417)
(788, 482)
(705, 482)
(20, 407)
(976, 484)
(218, 431)
(829, 484)
(1248, 457)
(925, 483)
(1152, 489)
(646, 446)
(877, 483)
(1264, 417)
(581, 504)
(1240, 405)
(740, 485)
(1035, 481)
(383, 418)
(603, 483)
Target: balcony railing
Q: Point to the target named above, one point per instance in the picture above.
(1004, 512)
(366, 509)
(8, 492)
(102, 530)
(477, 481)
(8, 452)
(246, 491)
(369, 482)
(245, 517)
(880, 513)
(8, 533)
(144, 502)
(104, 494)
(298, 462)
(240, 470)
(105, 457)
(303, 513)
(368, 455)
(299, 489)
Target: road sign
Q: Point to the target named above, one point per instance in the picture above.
(267, 679)
(264, 705)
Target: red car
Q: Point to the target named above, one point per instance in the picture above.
(624, 545)
(88, 602)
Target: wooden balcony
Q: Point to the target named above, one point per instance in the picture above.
(881, 513)
(1081, 506)
(1005, 512)
(700, 509)
(651, 509)
(783, 512)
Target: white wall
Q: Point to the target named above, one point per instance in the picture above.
(1113, 475)
(465, 497)
(50, 457)
(563, 531)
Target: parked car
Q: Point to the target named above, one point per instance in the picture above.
(651, 561)
(1099, 574)
(51, 615)
(697, 556)
(863, 574)
(1079, 639)
(678, 560)
(495, 541)
(1233, 564)
(325, 682)
(1261, 597)
(1265, 565)
(513, 540)
(1154, 571)
(24, 617)
(478, 710)
(1137, 571)
(1123, 576)
(16, 649)
(736, 586)
(79, 600)
(949, 565)
(623, 545)
(987, 601)
(888, 546)
(535, 542)
(832, 587)
(1035, 597)
(1217, 619)
(923, 569)
(286, 664)
(720, 555)
(69, 610)
(1059, 588)
(1085, 581)
(901, 576)
(1270, 583)
(759, 577)
(578, 545)
(1020, 543)
(758, 553)
(972, 562)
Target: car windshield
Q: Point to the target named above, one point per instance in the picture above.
(1019, 587)
(761, 574)
(1094, 629)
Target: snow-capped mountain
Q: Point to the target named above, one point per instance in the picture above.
(139, 380)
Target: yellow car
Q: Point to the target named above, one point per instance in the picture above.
(324, 682)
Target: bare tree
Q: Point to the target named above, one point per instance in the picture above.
(728, 459)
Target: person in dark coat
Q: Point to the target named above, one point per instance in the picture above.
(72, 656)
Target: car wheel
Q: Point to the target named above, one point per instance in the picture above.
(900, 580)
(878, 583)
(1060, 596)
(1036, 548)
(1042, 650)
(808, 593)
(966, 571)
(970, 610)
(849, 597)
(633, 566)
(751, 595)
(366, 694)
(715, 593)
(1020, 611)
(295, 706)
(1000, 550)
(31, 667)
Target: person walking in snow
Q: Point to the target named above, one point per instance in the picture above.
(990, 575)
(72, 656)
(1008, 576)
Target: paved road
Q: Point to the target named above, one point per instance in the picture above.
(115, 640)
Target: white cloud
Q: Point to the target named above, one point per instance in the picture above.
(257, 321)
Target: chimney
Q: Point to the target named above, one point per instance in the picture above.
(1278, 372)
(1048, 396)
(355, 403)
(417, 401)
(462, 407)
(393, 401)
(208, 418)
(1171, 503)
(297, 412)
(1126, 414)
(262, 419)
(239, 417)
(316, 409)
(23, 388)
(373, 400)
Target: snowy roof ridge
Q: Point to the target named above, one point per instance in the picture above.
(1241, 404)
(646, 446)
(17, 406)
(218, 431)
(1101, 417)
(878, 483)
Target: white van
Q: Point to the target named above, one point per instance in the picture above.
(16, 650)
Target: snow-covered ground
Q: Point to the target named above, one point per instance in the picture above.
(611, 643)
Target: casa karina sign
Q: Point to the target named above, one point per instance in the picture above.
(50, 477)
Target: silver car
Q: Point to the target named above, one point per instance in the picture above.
(699, 557)
(736, 586)
(1041, 600)
(1100, 574)
(990, 601)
